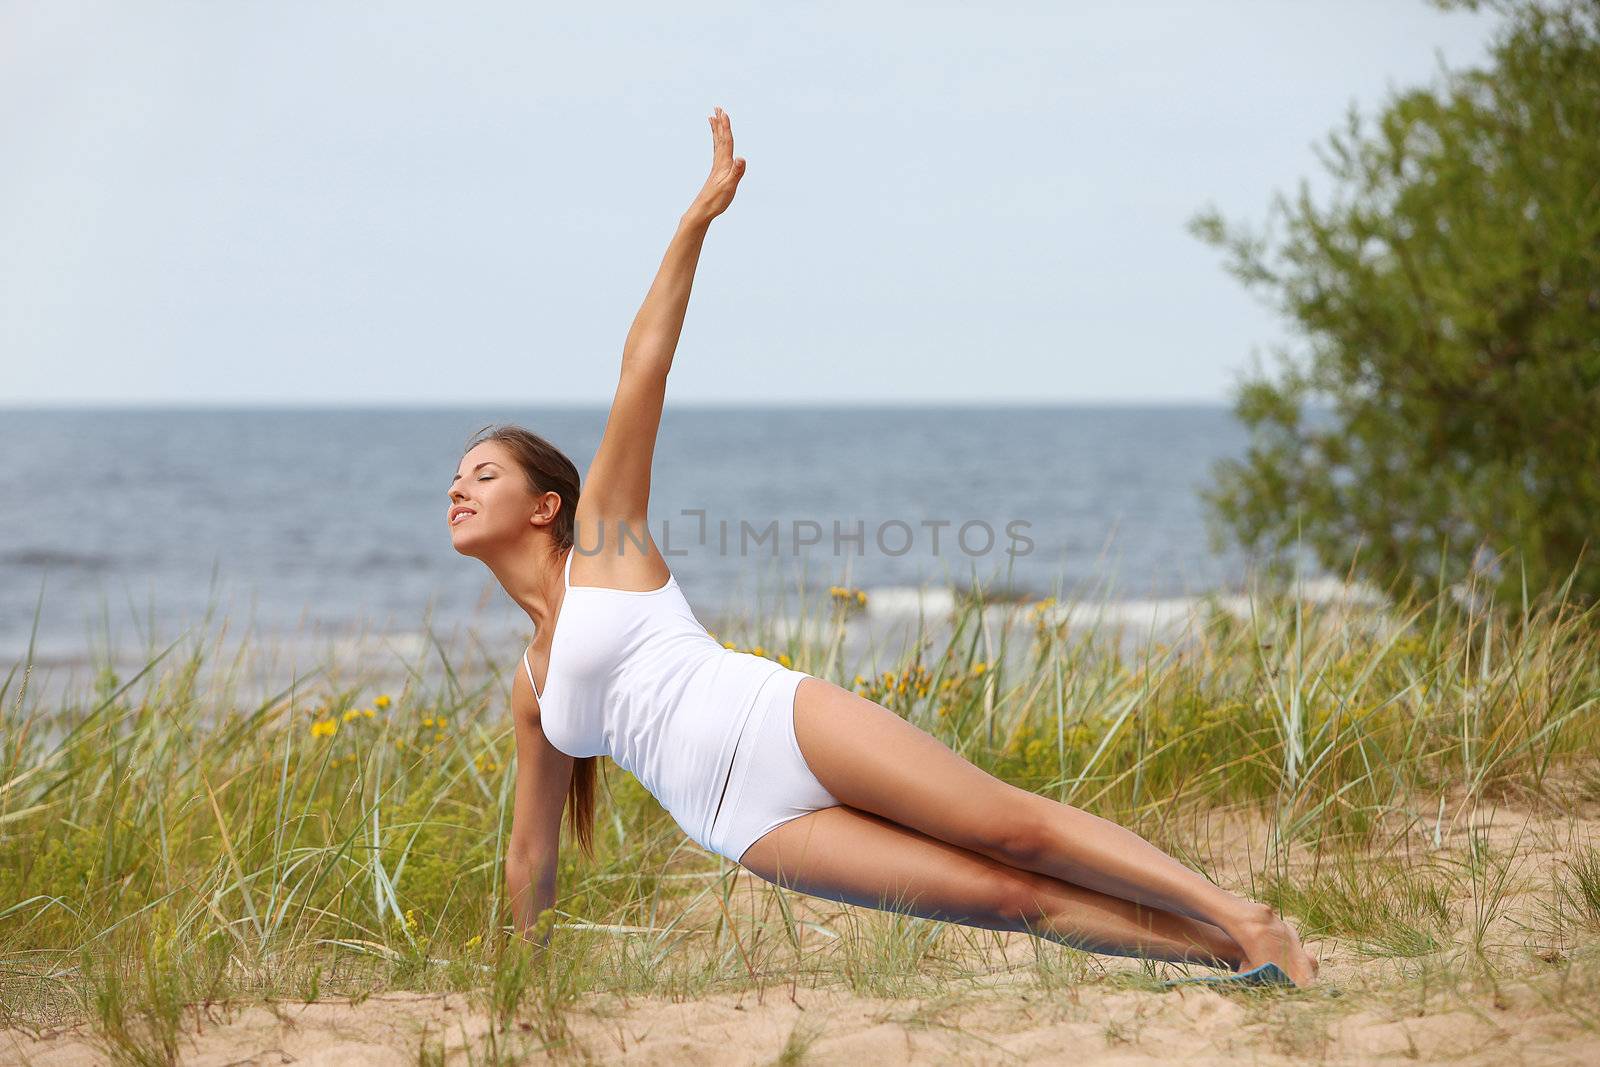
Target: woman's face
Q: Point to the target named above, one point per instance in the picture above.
(490, 486)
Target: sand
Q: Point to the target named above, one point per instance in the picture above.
(1083, 1025)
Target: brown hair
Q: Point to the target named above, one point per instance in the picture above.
(549, 470)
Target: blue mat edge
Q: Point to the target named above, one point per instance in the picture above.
(1268, 974)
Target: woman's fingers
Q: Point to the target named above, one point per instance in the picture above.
(726, 169)
(721, 139)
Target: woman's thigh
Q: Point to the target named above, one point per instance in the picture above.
(855, 857)
(873, 760)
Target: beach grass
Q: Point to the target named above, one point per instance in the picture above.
(1416, 785)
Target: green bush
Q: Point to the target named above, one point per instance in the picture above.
(1443, 417)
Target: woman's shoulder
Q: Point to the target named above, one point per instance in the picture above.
(630, 569)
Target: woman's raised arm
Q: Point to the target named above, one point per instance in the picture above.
(617, 486)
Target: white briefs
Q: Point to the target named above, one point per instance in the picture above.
(770, 781)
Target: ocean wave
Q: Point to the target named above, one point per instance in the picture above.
(54, 557)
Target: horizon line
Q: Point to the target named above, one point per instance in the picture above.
(689, 405)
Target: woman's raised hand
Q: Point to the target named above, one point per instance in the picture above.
(726, 170)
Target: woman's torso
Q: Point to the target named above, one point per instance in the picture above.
(635, 676)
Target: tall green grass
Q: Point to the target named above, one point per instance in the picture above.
(163, 845)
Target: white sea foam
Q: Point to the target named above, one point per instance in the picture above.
(892, 602)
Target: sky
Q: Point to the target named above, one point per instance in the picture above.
(438, 204)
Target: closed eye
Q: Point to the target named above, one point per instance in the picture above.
(482, 478)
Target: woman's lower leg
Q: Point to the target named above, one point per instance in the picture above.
(1097, 922)
(1084, 919)
(1086, 850)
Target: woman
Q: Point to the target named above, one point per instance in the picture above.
(806, 784)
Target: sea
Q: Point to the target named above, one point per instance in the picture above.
(312, 529)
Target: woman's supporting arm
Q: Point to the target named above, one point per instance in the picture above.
(533, 849)
(531, 888)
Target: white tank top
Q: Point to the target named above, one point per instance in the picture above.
(634, 675)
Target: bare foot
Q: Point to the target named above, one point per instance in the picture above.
(1266, 938)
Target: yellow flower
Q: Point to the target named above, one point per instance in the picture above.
(428, 721)
(758, 651)
(381, 701)
(979, 667)
(411, 919)
(785, 660)
(324, 728)
(438, 737)
(729, 644)
(861, 597)
(353, 713)
(474, 940)
(399, 742)
(367, 713)
(860, 681)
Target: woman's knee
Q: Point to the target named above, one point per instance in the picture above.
(859, 858)
(1020, 899)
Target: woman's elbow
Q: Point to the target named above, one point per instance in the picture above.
(539, 863)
